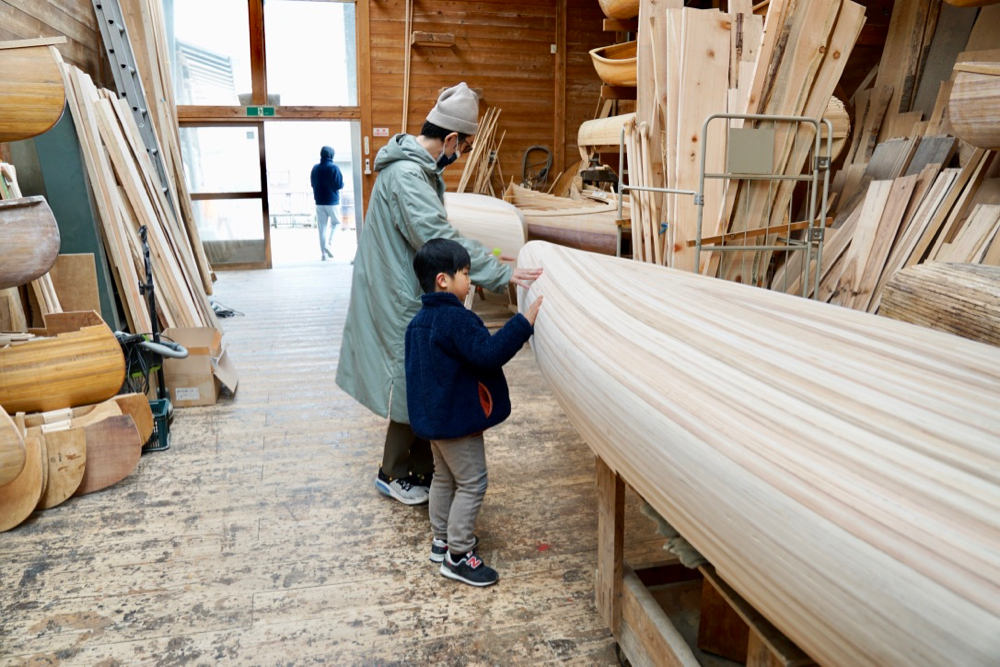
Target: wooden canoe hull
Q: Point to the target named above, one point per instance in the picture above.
(616, 64)
(491, 221)
(837, 468)
(620, 9)
(84, 365)
(30, 240)
(32, 95)
(974, 106)
(12, 453)
(602, 131)
(584, 225)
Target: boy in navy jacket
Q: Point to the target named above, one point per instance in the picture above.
(455, 390)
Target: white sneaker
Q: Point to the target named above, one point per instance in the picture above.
(401, 490)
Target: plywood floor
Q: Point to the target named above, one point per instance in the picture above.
(259, 538)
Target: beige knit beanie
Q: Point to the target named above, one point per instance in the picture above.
(457, 110)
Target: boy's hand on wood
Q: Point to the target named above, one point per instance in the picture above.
(533, 310)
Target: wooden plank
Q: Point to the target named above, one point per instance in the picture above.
(864, 240)
(610, 538)
(965, 187)
(432, 39)
(969, 241)
(901, 56)
(75, 280)
(881, 478)
(647, 636)
(559, 92)
(720, 629)
(25, 43)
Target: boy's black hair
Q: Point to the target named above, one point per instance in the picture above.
(432, 131)
(439, 256)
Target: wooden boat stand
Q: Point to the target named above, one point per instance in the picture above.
(645, 609)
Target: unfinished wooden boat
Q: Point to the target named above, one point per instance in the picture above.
(11, 449)
(602, 131)
(616, 64)
(839, 469)
(32, 95)
(493, 222)
(30, 240)
(585, 225)
(974, 106)
(79, 361)
(620, 9)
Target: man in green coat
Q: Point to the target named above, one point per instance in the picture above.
(405, 211)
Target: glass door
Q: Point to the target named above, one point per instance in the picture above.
(224, 165)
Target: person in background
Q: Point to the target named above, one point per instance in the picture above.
(455, 390)
(405, 211)
(327, 182)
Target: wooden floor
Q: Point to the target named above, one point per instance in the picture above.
(259, 538)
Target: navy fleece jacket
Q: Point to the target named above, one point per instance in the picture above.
(327, 182)
(455, 384)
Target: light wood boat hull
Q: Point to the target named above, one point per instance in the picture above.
(491, 221)
(11, 449)
(602, 131)
(32, 95)
(620, 9)
(616, 64)
(584, 225)
(30, 243)
(974, 106)
(839, 469)
(76, 367)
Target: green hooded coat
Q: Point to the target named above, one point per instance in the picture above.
(406, 210)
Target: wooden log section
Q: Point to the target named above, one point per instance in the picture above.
(32, 95)
(963, 299)
(30, 240)
(838, 469)
(83, 365)
(12, 454)
(974, 106)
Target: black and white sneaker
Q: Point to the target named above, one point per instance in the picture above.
(440, 547)
(469, 569)
(400, 489)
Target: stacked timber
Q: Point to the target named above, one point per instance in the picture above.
(128, 195)
(974, 104)
(586, 225)
(838, 469)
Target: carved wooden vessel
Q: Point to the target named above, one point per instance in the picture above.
(839, 469)
(80, 362)
(616, 64)
(30, 240)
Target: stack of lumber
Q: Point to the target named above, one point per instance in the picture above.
(127, 191)
(838, 469)
(481, 164)
(146, 29)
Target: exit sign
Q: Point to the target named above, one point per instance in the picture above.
(260, 111)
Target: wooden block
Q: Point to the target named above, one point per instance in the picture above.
(113, 451)
(720, 628)
(647, 636)
(19, 498)
(610, 541)
(434, 39)
(65, 462)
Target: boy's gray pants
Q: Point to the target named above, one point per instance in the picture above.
(457, 490)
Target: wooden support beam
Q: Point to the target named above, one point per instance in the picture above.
(753, 233)
(617, 93)
(621, 25)
(559, 120)
(610, 541)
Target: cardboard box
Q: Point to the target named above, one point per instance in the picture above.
(198, 379)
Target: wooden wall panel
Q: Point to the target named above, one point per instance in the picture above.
(502, 47)
(26, 19)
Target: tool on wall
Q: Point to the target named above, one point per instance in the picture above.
(535, 167)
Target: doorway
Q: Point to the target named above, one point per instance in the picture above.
(292, 148)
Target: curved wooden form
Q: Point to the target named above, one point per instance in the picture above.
(585, 225)
(20, 498)
(974, 106)
(32, 94)
(135, 406)
(963, 299)
(602, 131)
(839, 469)
(491, 221)
(113, 451)
(620, 9)
(30, 240)
(616, 64)
(65, 463)
(11, 449)
(82, 364)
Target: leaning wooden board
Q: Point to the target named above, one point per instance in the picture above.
(839, 469)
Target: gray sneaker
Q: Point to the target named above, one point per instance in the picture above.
(401, 490)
